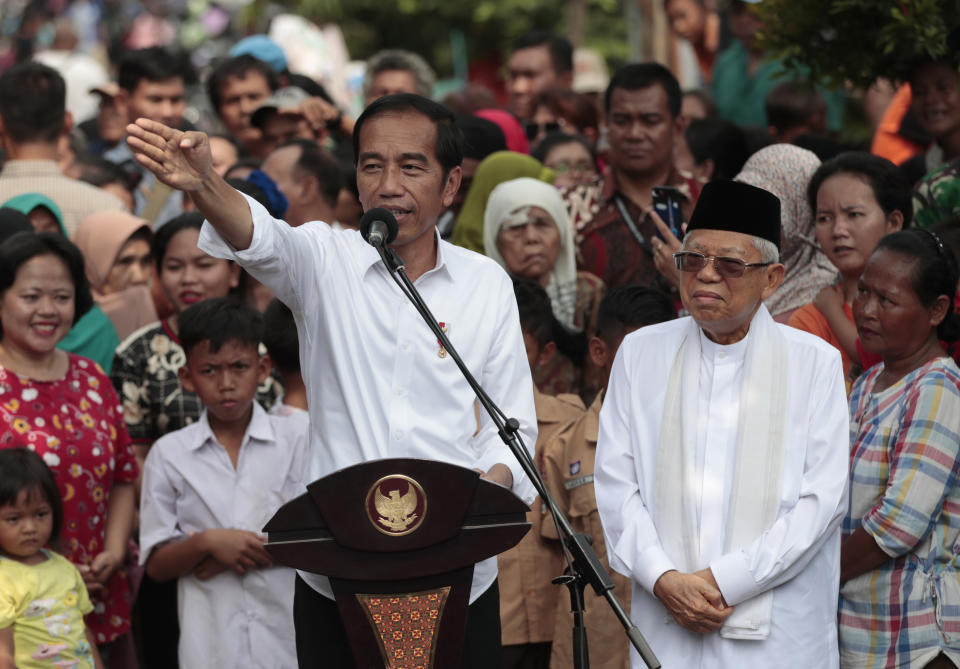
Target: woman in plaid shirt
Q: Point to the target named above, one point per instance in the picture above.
(900, 561)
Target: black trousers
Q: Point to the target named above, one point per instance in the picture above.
(322, 640)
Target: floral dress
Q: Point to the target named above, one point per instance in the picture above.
(75, 424)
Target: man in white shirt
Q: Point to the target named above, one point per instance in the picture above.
(721, 486)
(378, 384)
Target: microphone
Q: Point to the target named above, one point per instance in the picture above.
(378, 227)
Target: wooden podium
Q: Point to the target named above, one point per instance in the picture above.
(399, 539)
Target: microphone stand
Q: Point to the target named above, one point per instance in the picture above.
(585, 567)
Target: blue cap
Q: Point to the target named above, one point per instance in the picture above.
(262, 48)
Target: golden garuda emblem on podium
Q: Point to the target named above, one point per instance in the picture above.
(396, 505)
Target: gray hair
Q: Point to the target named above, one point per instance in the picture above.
(397, 59)
(768, 250)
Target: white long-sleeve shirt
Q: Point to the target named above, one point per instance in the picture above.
(376, 386)
(798, 556)
(190, 485)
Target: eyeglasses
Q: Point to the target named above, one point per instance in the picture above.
(728, 268)
(579, 168)
(534, 129)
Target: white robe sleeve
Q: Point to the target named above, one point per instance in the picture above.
(507, 380)
(633, 546)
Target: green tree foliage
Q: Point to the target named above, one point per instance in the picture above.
(858, 41)
(424, 26)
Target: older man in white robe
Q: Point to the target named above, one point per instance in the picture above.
(721, 466)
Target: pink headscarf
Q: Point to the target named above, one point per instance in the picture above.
(516, 136)
(100, 238)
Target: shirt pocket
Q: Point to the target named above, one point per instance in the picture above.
(583, 499)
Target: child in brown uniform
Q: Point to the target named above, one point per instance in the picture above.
(568, 466)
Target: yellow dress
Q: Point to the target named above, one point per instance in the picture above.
(45, 603)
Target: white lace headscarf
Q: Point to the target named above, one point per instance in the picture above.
(516, 194)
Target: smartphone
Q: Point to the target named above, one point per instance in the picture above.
(667, 203)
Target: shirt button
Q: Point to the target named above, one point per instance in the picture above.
(400, 392)
(398, 434)
(404, 346)
(722, 355)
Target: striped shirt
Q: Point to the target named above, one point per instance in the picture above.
(904, 492)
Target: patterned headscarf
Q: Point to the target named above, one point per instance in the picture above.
(785, 170)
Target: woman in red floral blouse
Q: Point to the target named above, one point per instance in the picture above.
(63, 407)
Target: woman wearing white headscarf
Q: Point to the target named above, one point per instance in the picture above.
(785, 170)
(527, 230)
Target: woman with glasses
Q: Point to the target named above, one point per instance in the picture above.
(856, 198)
(527, 231)
(570, 156)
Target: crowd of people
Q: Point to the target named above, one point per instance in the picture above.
(729, 339)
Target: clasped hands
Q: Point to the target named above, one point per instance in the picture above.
(232, 550)
(694, 600)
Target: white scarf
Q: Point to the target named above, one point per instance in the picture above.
(755, 496)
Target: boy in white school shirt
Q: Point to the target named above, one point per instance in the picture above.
(209, 488)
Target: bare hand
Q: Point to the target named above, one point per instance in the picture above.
(181, 160)
(829, 300)
(317, 112)
(99, 571)
(692, 601)
(501, 474)
(209, 568)
(239, 550)
(663, 250)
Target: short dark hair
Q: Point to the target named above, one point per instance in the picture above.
(32, 103)
(631, 307)
(704, 97)
(449, 144)
(575, 107)
(561, 50)
(889, 185)
(317, 162)
(636, 76)
(98, 171)
(555, 139)
(24, 246)
(219, 320)
(237, 67)
(536, 314)
(721, 141)
(22, 469)
(161, 238)
(538, 320)
(244, 162)
(280, 337)
(934, 272)
(152, 64)
(793, 103)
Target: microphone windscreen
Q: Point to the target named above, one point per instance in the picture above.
(382, 215)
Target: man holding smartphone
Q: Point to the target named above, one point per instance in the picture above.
(643, 119)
